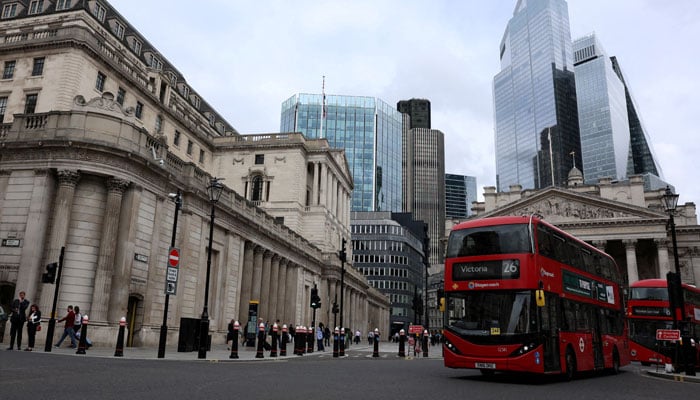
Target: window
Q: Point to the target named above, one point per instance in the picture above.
(30, 103)
(62, 4)
(176, 138)
(139, 110)
(201, 156)
(9, 11)
(136, 46)
(3, 108)
(9, 70)
(159, 123)
(121, 93)
(196, 102)
(38, 68)
(36, 6)
(156, 63)
(100, 81)
(119, 29)
(99, 11)
(256, 194)
(190, 145)
(259, 159)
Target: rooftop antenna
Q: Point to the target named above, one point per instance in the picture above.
(323, 107)
(573, 157)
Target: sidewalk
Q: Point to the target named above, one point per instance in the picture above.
(676, 376)
(219, 353)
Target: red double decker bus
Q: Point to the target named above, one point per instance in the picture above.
(525, 296)
(648, 311)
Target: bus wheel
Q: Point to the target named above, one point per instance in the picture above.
(616, 363)
(570, 365)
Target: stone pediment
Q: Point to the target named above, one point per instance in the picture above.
(560, 206)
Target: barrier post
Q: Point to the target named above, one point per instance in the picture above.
(375, 353)
(273, 349)
(402, 343)
(341, 345)
(336, 338)
(119, 351)
(283, 343)
(261, 341)
(425, 343)
(234, 342)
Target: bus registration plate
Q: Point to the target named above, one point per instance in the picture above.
(485, 365)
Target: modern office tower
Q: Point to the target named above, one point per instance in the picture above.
(369, 130)
(536, 121)
(387, 248)
(428, 171)
(418, 110)
(602, 113)
(460, 192)
(641, 158)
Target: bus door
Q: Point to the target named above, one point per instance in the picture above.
(549, 320)
(596, 338)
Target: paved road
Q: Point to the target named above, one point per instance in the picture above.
(62, 374)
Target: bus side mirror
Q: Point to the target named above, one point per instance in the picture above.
(539, 297)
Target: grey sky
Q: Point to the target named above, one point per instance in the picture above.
(246, 57)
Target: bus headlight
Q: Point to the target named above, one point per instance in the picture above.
(451, 347)
(524, 349)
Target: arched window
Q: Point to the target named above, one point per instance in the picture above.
(257, 192)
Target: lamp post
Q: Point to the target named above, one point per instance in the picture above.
(214, 189)
(675, 288)
(177, 198)
(426, 261)
(342, 255)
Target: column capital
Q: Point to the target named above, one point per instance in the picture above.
(629, 243)
(116, 185)
(599, 244)
(68, 177)
(662, 242)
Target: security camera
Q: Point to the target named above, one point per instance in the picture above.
(161, 162)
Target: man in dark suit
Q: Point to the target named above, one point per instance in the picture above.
(17, 319)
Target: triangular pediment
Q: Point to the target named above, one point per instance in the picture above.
(561, 206)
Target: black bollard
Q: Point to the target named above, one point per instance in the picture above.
(425, 343)
(273, 349)
(336, 338)
(82, 344)
(402, 343)
(234, 341)
(119, 351)
(375, 353)
(261, 341)
(283, 343)
(298, 341)
(341, 345)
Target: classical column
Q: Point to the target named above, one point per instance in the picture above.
(662, 249)
(292, 290)
(108, 246)
(246, 282)
(323, 189)
(265, 286)
(600, 244)
(314, 187)
(274, 285)
(257, 275)
(282, 292)
(63, 204)
(631, 255)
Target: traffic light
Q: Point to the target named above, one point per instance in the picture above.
(441, 300)
(50, 275)
(675, 290)
(341, 253)
(315, 299)
(335, 309)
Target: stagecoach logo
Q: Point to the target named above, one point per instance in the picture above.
(480, 285)
(548, 274)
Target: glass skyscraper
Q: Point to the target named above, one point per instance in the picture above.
(370, 131)
(460, 193)
(536, 119)
(602, 113)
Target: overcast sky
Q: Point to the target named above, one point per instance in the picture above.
(246, 57)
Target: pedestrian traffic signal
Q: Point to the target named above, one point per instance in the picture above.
(50, 275)
(335, 309)
(315, 299)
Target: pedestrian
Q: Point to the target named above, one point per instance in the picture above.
(78, 320)
(231, 335)
(33, 325)
(68, 328)
(370, 337)
(327, 336)
(358, 335)
(18, 317)
(319, 336)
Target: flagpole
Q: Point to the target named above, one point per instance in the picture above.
(323, 107)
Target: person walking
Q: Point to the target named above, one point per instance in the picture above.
(68, 328)
(78, 320)
(18, 310)
(33, 324)
(319, 337)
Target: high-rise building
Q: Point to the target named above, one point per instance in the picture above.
(602, 113)
(418, 110)
(536, 121)
(460, 192)
(370, 131)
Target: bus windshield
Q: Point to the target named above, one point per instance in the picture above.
(492, 313)
(497, 239)
(649, 293)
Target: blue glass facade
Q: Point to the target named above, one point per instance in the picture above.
(460, 193)
(602, 113)
(369, 130)
(536, 121)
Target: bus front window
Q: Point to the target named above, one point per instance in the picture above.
(492, 313)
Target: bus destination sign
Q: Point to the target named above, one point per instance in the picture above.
(483, 270)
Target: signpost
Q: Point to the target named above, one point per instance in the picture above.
(668, 334)
(172, 270)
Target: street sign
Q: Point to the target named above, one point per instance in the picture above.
(171, 275)
(174, 257)
(668, 334)
(415, 329)
(170, 287)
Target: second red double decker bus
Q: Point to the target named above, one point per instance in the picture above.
(525, 296)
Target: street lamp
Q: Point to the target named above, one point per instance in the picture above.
(342, 255)
(675, 288)
(214, 189)
(177, 198)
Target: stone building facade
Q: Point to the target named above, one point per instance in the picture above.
(620, 218)
(98, 129)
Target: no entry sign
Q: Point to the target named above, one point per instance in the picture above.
(174, 257)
